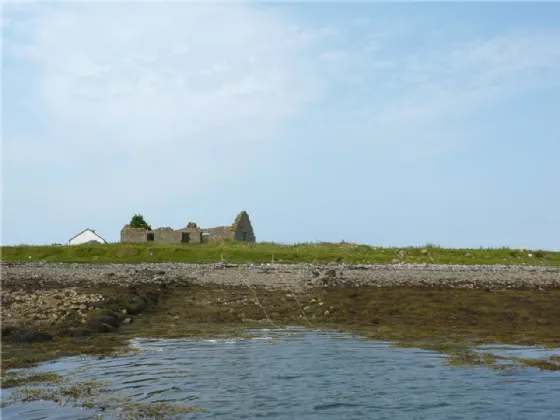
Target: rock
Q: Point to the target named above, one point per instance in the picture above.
(36, 337)
(307, 308)
(109, 320)
(395, 261)
(8, 330)
(300, 276)
(468, 255)
(105, 328)
(103, 320)
(23, 336)
(136, 305)
(127, 320)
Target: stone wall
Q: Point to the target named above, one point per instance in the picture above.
(243, 230)
(167, 235)
(133, 235)
(240, 230)
(220, 233)
(194, 234)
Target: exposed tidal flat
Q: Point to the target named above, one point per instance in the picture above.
(56, 312)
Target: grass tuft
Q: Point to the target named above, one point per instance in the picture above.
(265, 252)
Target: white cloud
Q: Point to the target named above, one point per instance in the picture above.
(129, 74)
(418, 102)
(164, 83)
(182, 97)
(512, 61)
(123, 107)
(333, 55)
(186, 77)
(431, 86)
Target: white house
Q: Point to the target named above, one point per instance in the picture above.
(86, 236)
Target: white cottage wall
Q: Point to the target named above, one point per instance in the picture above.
(84, 237)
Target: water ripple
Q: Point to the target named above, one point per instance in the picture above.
(306, 374)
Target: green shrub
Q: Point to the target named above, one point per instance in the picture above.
(138, 221)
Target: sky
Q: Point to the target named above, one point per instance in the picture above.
(389, 124)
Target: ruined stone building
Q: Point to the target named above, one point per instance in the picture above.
(240, 230)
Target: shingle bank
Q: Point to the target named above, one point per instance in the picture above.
(283, 276)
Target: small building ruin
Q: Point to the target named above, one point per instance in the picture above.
(241, 230)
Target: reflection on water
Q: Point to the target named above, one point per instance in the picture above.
(304, 374)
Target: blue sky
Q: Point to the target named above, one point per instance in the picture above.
(387, 124)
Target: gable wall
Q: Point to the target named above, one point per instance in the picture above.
(243, 228)
(84, 237)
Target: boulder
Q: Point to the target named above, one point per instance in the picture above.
(103, 320)
(25, 336)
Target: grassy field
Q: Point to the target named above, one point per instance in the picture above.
(238, 252)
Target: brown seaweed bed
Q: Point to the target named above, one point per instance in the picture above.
(101, 319)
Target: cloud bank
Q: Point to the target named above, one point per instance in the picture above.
(110, 107)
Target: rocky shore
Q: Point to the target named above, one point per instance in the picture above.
(69, 308)
(274, 276)
(46, 294)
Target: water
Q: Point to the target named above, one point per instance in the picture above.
(305, 374)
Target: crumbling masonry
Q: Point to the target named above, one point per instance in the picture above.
(240, 230)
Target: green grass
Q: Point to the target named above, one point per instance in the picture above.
(240, 252)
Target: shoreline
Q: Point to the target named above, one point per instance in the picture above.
(52, 310)
(283, 276)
